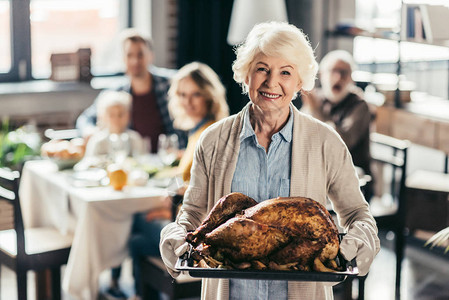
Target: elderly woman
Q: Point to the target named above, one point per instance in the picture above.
(270, 149)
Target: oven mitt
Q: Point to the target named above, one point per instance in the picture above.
(173, 244)
(361, 242)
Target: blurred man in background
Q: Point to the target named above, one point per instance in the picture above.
(340, 104)
(148, 88)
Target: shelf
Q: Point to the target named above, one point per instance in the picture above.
(391, 35)
(415, 22)
(41, 86)
(48, 86)
(439, 43)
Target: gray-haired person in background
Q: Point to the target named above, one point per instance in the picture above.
(340, 104)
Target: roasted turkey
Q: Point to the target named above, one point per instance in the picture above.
(282, 233)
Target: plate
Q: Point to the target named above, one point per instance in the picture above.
(185, 263)
(89, 178)
(64, 163)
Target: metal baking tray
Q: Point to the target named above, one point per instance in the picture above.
(185, 263)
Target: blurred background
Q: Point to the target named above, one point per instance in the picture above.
(57, 55)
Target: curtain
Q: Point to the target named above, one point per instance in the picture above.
(202, 31)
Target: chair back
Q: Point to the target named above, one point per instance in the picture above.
(9, 192)
(391, 152)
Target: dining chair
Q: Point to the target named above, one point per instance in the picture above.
(156, 278)
(347, 284)
(388, 207)
(389, 155)
(427, 196)
(35, 249)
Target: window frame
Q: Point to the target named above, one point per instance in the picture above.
(21, 40)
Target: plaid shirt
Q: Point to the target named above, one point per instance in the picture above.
(161, 84)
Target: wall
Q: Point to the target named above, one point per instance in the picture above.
(57, 105)
(164, 35)
(141, 11)
(314, 17)
(45, 103)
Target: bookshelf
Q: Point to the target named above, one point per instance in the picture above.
(419, 24)
(425, 23)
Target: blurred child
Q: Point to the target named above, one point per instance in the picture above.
(197, 100)
(113, 141)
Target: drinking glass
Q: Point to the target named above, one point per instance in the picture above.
(147, 144)
(119, 147)
(168, 147)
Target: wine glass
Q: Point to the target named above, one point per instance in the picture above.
(118, 147)
(147, 144)
(168, 146)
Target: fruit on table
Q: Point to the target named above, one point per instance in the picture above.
(117, 177)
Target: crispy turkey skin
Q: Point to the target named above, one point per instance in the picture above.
(225, 208)
(292, 231)
(244, 240)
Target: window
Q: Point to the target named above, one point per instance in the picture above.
(5, 36)
(59, 26)
(423, 64)
(384, 18)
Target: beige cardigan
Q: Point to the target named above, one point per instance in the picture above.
(321, 167)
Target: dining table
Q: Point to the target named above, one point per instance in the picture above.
(98, 217)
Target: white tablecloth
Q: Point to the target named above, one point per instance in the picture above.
(99, 217)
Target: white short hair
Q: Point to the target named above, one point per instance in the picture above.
(111, 98)
(337, 55)
(278, 39)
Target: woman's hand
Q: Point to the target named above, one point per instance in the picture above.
(359, 243)
(173, 245)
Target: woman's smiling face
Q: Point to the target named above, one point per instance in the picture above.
(192, 99)
(272, 83)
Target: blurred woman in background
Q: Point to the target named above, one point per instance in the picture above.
(197, 100)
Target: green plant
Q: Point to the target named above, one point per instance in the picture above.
(18, 145)
(439, 239)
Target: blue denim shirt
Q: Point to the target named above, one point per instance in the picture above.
(262, 176)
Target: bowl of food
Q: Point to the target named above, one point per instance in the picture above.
(65, 154)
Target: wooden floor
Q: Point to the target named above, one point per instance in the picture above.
(425, 276)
